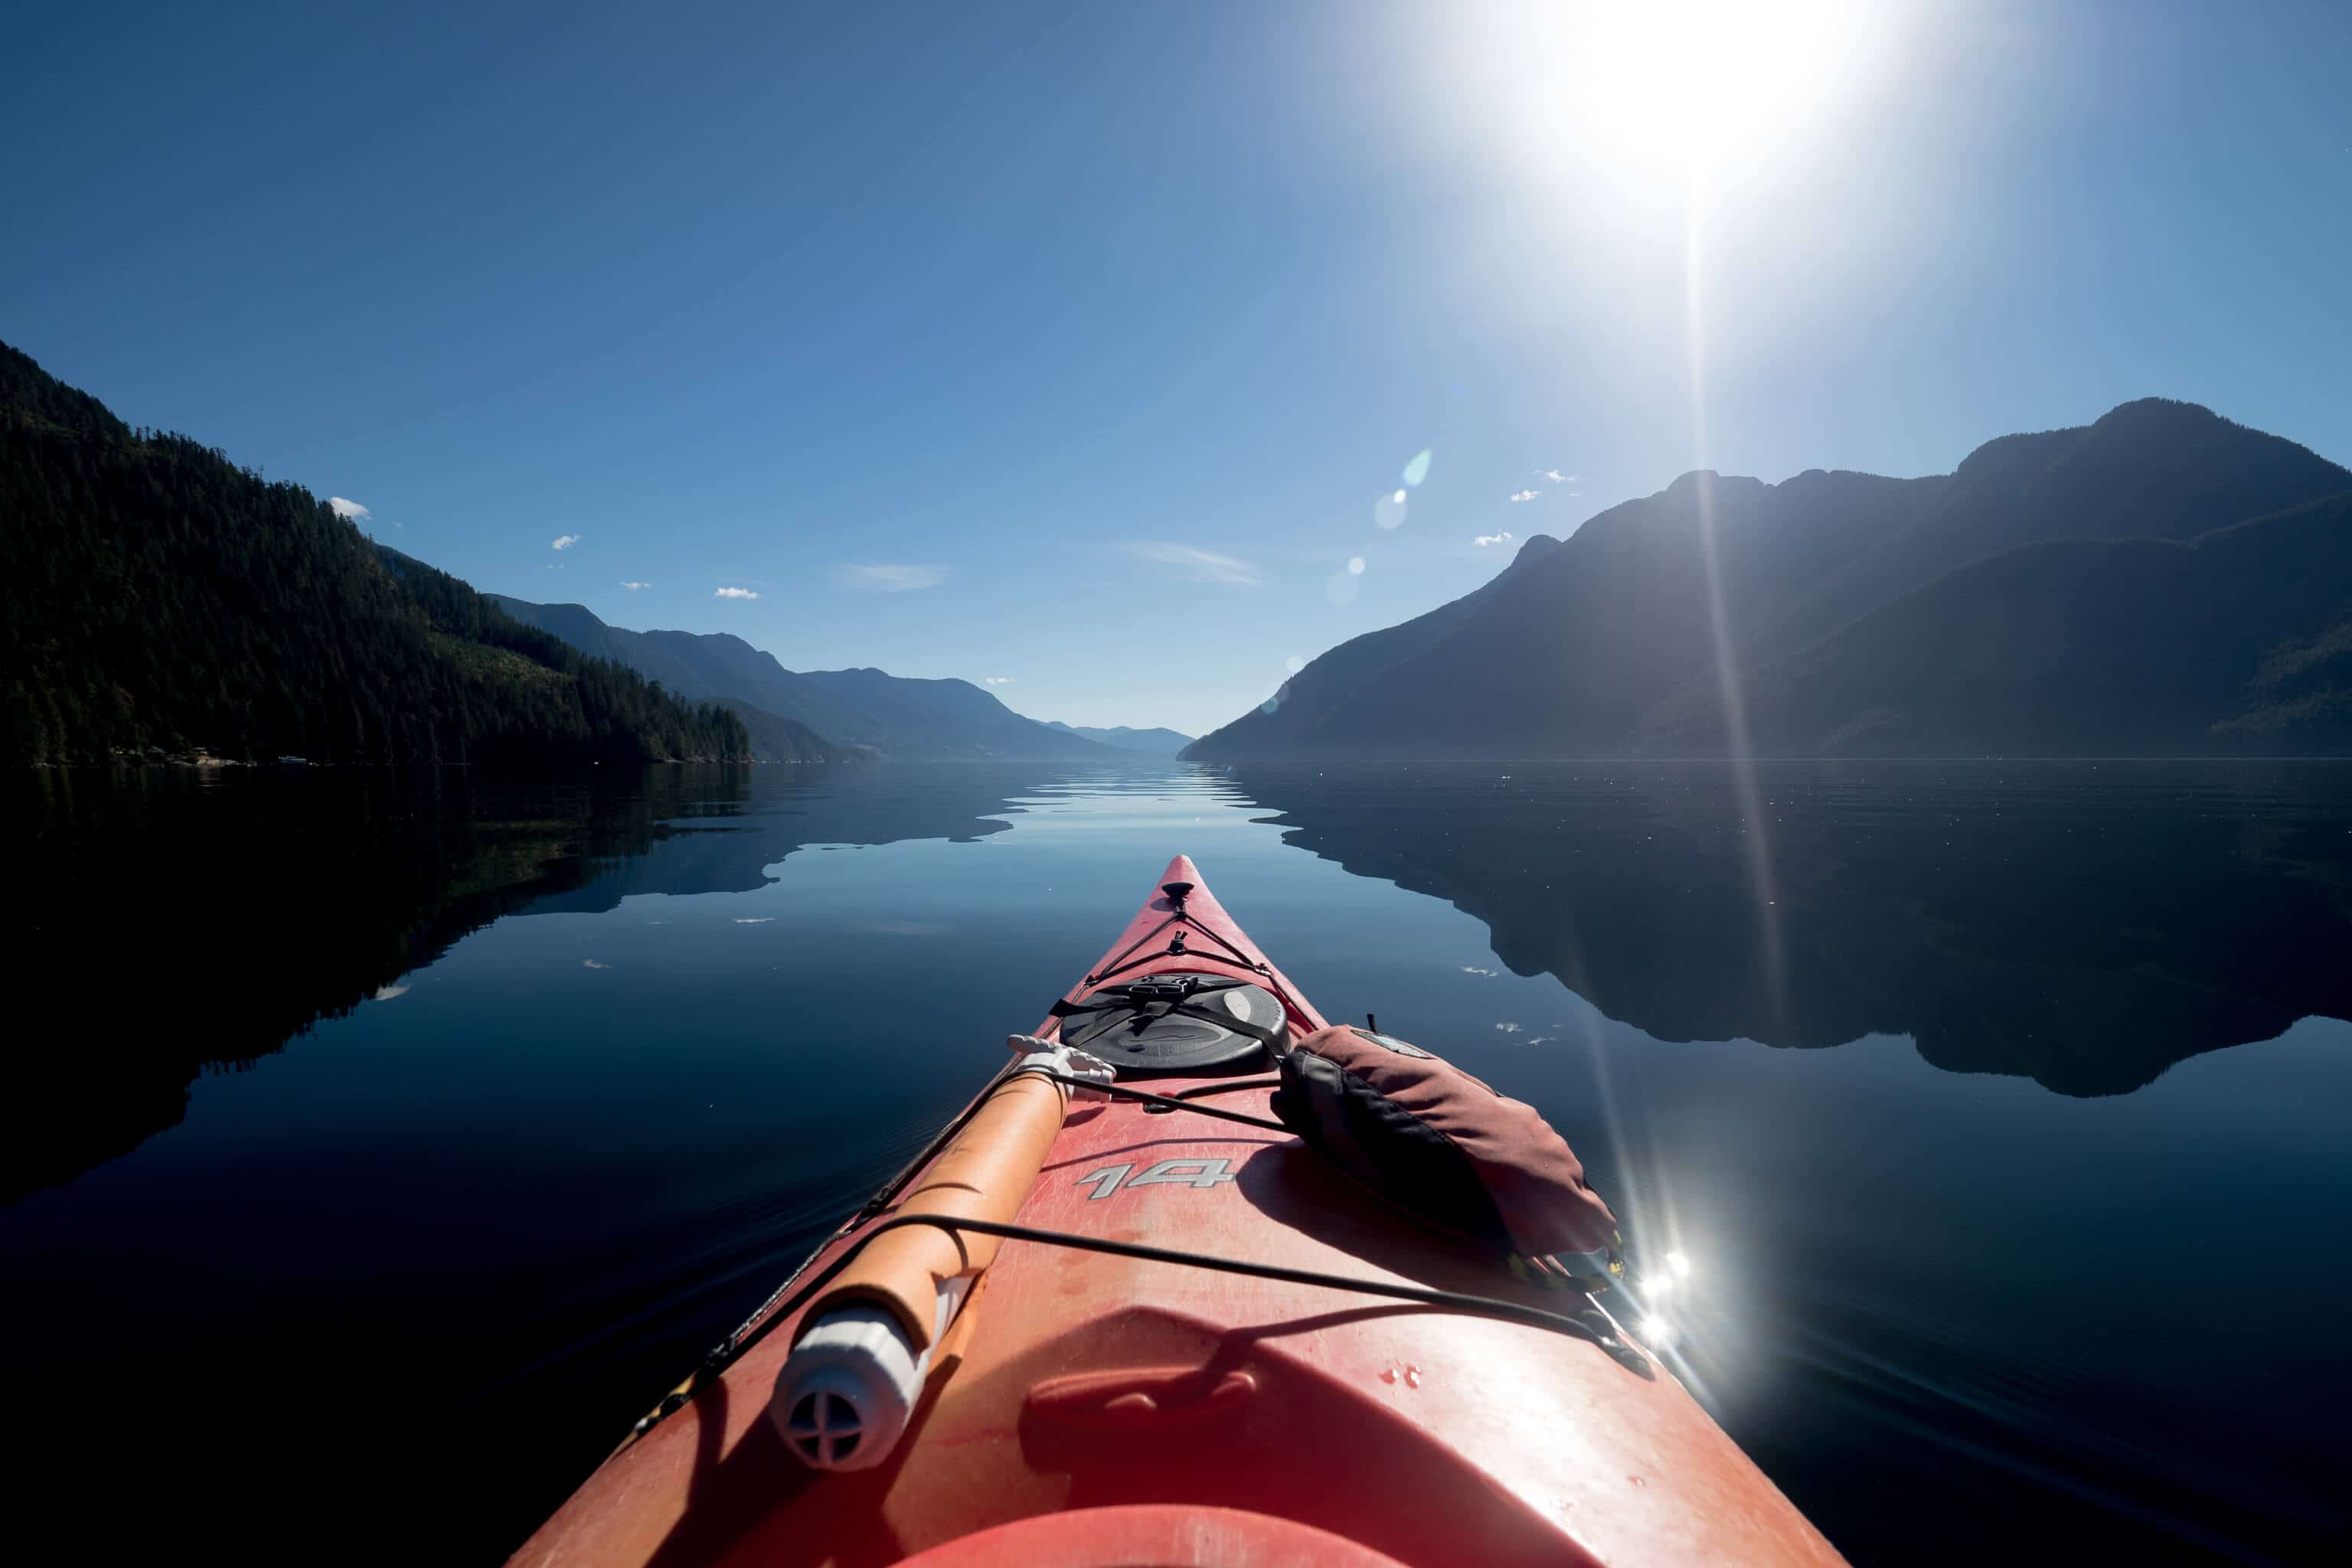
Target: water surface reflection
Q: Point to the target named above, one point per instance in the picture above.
(2086, 925)
(198, 923)
(421, 1267)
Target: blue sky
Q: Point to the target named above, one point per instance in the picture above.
(1073, 346)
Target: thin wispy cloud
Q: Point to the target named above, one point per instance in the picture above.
(1556, 477)
(1525, 495)
(343, 506)
(632, 586)
(998, 680)
(1203, 565)
(1484, 540)
(737, 594)
(890, 579)
(566, 540)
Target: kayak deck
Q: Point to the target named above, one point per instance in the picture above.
(1078, 1380)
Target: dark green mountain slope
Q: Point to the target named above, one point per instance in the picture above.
(1620, 639)
(154, 595)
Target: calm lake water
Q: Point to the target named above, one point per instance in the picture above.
(379, 1146)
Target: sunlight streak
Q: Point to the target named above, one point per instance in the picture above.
(1737, 748)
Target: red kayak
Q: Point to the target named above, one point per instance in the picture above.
(1127, 1315)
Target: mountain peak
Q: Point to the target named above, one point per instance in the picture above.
(1711, 483)
(1613, 644)
(2149, 410)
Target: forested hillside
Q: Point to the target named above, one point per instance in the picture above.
(157, 596)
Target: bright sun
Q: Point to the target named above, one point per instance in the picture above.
(1680, 86)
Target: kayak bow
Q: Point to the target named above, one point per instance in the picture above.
(1159, 1330)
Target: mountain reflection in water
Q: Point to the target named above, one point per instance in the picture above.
(2086, 925)
(200, 921)
(512, 1175)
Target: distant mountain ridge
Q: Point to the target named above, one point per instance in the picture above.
(866, 710)
(2160, 581)
(1157, 742)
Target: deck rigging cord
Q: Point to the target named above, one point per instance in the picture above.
(1161, 1103)
(1590, 1323)
(1182, 920)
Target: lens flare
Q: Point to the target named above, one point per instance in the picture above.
(1355, 565)
(1417, 470)
(1388, 511)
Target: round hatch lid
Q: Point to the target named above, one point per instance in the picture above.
(1183, 1021)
